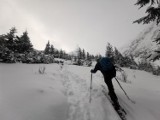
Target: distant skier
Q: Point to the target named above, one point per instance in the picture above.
(107, 68)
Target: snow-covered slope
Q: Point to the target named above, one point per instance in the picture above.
(63, 94)
(143, 45)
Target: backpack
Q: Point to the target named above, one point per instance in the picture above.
(107, 66)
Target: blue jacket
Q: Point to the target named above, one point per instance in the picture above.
(105, 66)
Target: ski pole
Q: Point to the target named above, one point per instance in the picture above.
(124, 91)
(90, 99)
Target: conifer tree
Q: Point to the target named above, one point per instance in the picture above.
(79, 55)
(47, 48)
(88, 56)
(65, 55)
(109, 51)
(2, 42)
(61, 53)
(24, 43)
(153, 11)
(118, 58)
(10, 39)
(52, 50)
(3, 48)
(56, 53)
(83, 54)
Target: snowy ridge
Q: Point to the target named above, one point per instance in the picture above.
(143, 45)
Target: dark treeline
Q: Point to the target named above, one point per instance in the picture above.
(50, 50)
(14, 48)
(84, 58)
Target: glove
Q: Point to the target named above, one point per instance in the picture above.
(92, 71)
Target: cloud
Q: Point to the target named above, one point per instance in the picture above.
(89, 24)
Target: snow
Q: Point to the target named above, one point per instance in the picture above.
(62, 93)
(143, 42)
(143, 45)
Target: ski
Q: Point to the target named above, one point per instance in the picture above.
(121, 112)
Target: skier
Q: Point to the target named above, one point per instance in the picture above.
(107, 68)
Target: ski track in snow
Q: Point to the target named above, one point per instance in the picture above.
(77, 91)
(63, 94)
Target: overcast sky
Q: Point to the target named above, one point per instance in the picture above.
(89, 24)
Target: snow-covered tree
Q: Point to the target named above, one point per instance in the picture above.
(52, 50)
(83, 54)
(109, 52)
(61, 53)
(10, 39)
(88, 56)
(79, 53)
(47, 48)
(2, 44)
(24, 43)
(118, 58)
(153, 11)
